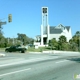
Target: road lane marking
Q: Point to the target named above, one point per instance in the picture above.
(31, 60)
(25, 61)
(61, 61)
(14, 72)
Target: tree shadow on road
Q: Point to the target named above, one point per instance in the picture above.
(77, 59)
(53, 78)
(54, 55)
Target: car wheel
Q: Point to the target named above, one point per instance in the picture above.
(6, 50)
(23, 51)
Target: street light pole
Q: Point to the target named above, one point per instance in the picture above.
(79, 40)
(13, 40)
(8, 40)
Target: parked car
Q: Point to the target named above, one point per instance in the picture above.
(16, 49)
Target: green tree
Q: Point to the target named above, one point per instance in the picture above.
(62, 39)
(53, 43)
(25, 39)
(61, 42)
(2, 40)
(78, 32)
(74, 42)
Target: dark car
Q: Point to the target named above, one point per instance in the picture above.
(15, 49)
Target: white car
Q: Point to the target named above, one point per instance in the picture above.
(26, 47)
(1, 54)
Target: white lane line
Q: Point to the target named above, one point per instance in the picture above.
(61, 61)
(25, 61)
(14, 63)
(21, 62)
(14, 72)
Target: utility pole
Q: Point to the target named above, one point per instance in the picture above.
(13, 40)
(8, 40)
(79, 40)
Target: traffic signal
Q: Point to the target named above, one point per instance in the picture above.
(10, 18)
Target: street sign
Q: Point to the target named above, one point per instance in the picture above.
(2, 23)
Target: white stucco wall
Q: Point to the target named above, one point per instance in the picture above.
(56, 36)
(67, 34)
(70, 34)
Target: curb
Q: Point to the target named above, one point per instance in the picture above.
(35, 52)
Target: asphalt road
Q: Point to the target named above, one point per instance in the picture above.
(63, 67)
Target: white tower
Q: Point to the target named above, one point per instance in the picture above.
(44, 26)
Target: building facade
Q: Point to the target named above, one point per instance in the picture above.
(55, 32)
(49, 32)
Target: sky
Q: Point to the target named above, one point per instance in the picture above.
(27, 17)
